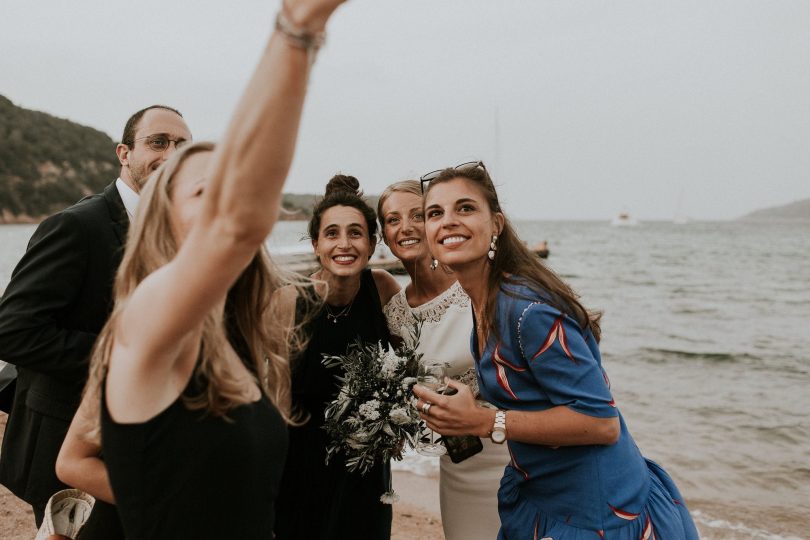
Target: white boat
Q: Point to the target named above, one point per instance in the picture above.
(624, 220)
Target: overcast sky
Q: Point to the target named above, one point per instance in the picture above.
(581, 109)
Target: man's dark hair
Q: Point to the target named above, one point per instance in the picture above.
(132, 124)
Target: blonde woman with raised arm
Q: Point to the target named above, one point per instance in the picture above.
(191, 403)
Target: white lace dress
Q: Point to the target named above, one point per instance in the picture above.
(468, 490)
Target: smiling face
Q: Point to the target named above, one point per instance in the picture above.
(404, 226)
(459, 223)
(139, 161)
(188, 185)
(343, 244)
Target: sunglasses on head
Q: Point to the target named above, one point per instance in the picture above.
(160, 142)
(425, 179)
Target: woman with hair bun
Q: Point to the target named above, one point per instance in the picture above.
(320, 501)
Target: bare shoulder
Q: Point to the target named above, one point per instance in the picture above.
(387, 286)
(284, 298)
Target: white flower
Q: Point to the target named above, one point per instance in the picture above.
(370, 409)
(389, 497)
(407, 382)
(400, 416)
(390, 363)
(361, 436)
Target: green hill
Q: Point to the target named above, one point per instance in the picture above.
(48, 163)
(795, 211)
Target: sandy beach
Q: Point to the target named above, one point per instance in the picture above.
(412, 517)
(415, 516)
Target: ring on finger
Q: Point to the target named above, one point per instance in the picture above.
(426, 408)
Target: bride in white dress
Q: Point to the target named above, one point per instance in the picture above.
(467, 490)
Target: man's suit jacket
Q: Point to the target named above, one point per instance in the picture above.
(58, 299)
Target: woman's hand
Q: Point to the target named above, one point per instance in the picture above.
(310, 14)
(454, 415)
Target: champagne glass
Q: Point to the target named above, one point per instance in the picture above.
(431, 376)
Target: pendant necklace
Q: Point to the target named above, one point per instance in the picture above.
(333, 317)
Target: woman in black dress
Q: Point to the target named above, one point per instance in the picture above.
(193, 401)
(316, 500)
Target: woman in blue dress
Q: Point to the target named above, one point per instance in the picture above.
(575, 471)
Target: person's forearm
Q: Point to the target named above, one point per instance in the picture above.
(558, 426)
(88, 474)
(257, 150)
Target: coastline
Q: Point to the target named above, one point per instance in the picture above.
(10, 219)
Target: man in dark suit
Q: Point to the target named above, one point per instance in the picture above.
(58, 299)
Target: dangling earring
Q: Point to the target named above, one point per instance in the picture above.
(434, 264)
(492, 248)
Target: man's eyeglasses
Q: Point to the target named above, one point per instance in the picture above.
(461, 167)
(160, 142)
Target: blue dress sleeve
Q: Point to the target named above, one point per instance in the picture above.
(564, 361)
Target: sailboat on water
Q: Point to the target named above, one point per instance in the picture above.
(624, 219)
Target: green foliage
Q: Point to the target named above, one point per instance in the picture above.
(372, 416)
(48, 163)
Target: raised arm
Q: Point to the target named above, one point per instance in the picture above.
(240, 188)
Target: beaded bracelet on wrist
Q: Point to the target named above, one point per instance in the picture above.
(299, 37)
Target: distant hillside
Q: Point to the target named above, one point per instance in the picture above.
(795, 211)
(48, 163)
(299, 206)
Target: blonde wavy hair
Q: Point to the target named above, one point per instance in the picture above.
(248, 325)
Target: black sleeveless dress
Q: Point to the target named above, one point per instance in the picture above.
(319, 501)
(188, 474)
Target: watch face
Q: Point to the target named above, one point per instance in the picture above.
(498, 436)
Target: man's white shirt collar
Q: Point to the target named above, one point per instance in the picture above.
(129, 197)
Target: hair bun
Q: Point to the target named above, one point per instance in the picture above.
(343, 182)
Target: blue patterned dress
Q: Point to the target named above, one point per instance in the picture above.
(543, 360)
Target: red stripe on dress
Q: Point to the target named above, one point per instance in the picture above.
(503, 361)
(515, 464)
(551, 337)
(500, 374)
(564, 343)
(556, 332)
(622, 514)
(645, 534)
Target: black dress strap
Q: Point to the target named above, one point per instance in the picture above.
(380, 325)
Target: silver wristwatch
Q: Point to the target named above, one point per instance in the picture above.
(498, 434)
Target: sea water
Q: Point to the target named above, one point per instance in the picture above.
(706, 339)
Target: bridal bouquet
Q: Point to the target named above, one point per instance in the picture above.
(372, 416)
